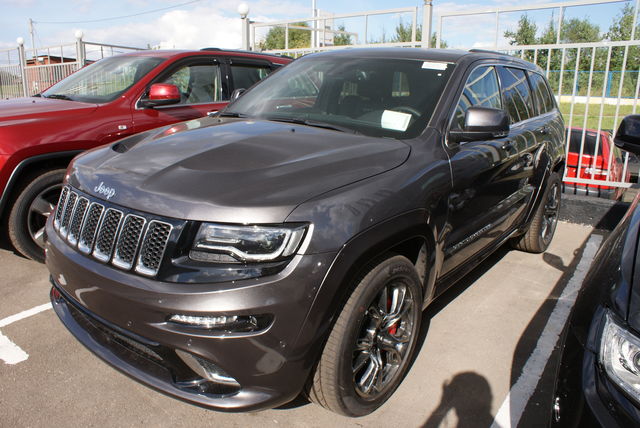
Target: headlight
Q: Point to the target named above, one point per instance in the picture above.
(620, 355)
(227, 244)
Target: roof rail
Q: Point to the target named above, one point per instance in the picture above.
(247, 52)
(486, 51)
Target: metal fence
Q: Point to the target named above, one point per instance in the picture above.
(324, 29)
(25, 72)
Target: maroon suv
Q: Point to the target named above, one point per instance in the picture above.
(105, 101)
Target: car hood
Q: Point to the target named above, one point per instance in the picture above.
(29, 109)
(246, 171)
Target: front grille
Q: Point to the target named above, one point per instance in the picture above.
(153, 247)
(76, 220)
(109, 234)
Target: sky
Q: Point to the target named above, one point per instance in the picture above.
(197, 24)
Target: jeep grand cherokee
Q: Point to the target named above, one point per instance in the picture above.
(291, 243)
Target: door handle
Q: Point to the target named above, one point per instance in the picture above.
(212, 113)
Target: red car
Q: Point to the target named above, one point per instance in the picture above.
(103, 102)
(597, 171)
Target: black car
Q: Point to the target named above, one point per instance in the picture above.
(598, 378)
(291, 243)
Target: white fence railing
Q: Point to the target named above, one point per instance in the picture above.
(26, 72)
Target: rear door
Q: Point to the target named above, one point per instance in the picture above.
(203, 86)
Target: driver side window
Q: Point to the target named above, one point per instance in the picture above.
(480, 90)
(198, 83)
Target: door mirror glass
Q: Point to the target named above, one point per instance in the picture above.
(237, 93)
(482, 123)
(628, 135)
(161, 94)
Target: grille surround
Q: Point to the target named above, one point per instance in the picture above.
(108, 233)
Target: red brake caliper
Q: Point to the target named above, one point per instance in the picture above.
(394, 328)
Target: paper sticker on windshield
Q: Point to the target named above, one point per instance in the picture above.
(430, 65)
(395, 120)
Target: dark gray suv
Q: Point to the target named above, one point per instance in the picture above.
(291, 243)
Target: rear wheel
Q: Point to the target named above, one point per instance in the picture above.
(30, 211)
(372, 341)
(543, 226)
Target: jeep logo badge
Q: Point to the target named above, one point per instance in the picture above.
(101, 189)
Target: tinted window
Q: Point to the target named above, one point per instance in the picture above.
(198, 83)
(589, 142)
(481, 89)
(516, 94)
(244, 76)
(541, 93)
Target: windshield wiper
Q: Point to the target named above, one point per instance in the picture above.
(231, 114)
(59, 97)
(314, 123)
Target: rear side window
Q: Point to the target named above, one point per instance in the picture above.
(589, 148)
(541, 93)
(516, 94)
(244, 76)
(480, 90)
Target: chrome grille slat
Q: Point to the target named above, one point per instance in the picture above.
(77, 220)
(68, 212)
(153, 247)
(128, 241)
(60, 208)
(107, 233)
(90, 226)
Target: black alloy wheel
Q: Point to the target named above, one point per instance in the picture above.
(372, 342)
(30, 210)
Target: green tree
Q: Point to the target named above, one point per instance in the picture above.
(578, 30)
(298, 38)
(525, 33)
(342, 39)
(620, 30)
(403, 34)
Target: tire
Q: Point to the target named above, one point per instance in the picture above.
(344, 380)
(543, 226)
(30, 210)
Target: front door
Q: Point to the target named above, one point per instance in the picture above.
(202, 87)
(488, 187)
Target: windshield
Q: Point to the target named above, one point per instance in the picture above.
(377, 97)
(104, 80)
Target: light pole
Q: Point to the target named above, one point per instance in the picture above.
(243, 10)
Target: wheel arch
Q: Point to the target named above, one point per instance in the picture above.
(29, 165)
(408, 234)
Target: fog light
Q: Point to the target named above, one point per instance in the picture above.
(206, 369)
(203, 322)
(231, 324)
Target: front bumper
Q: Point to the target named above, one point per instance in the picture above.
(123, 319)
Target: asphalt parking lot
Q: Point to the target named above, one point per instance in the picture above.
(482, 356)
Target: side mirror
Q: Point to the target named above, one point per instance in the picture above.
(161, 94)
(237, 93)
(628, 135)
(482, 123)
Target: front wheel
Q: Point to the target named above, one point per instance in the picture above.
(30, 211)
(543, 226)
(372, 341)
